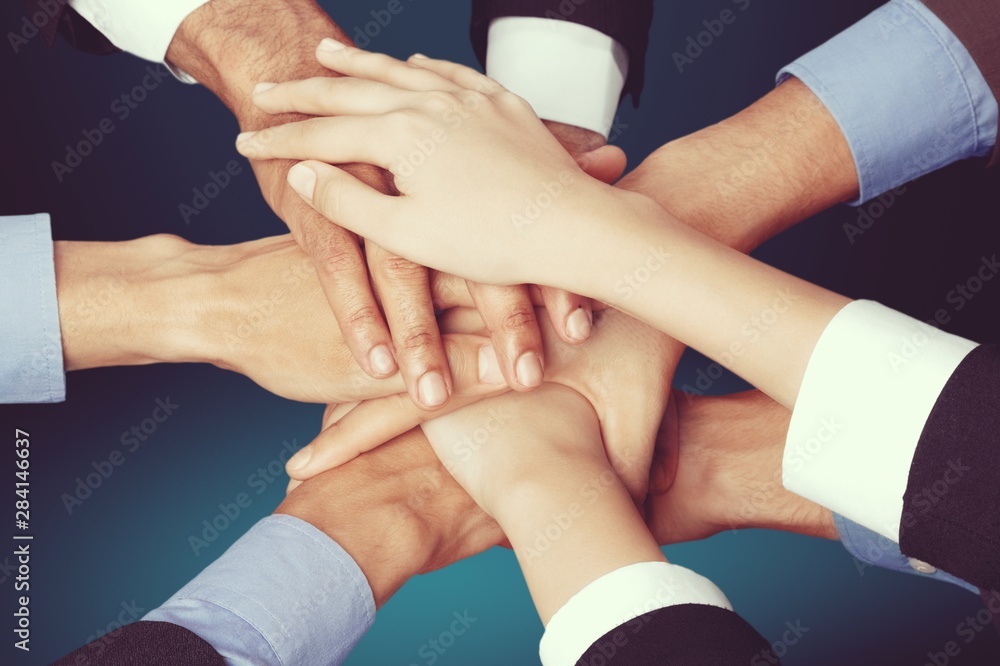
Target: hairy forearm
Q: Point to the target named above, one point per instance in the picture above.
(231, 45)
(119, 305)
(755, 174)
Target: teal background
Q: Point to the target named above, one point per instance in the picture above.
(129, 540)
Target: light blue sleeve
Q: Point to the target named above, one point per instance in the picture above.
(31, 359)
(871, 549)
(285, 593)
(905, 92)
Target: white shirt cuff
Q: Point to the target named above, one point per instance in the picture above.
(868, 390)
(618, 597)
(143, 28)
(569, 73)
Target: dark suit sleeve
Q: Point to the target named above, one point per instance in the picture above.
(951, 508)
(977, 24)
(146, 643)
(626, 21)
(685, 635)
(60, 18)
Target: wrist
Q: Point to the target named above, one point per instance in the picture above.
(229, 46)
(127, 303)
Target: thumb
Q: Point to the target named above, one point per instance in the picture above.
(606, 164)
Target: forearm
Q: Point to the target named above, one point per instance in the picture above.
(755, 320)
(119, 305)
(229, 46)
(572, 527)
(751, 176)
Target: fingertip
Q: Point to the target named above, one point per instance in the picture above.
(298, 464)
(432, 391)
(579, 324)
(302, 179)
(382, 362)
(330, 45)
(263, 87)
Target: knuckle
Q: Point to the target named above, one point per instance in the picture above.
(336, 260)
(418, 339)
(392, 266)
(363, 317)
(519, 319)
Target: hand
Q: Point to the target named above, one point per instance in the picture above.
(229, 50)
(718, 467)
(624, 371)
(256, 308)
(498, 225)
(537, 465)
(397, 512)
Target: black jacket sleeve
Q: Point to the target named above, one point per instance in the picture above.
(626, 21)
(685, 635)
(147, 643)
(951, 508)
(60, 18)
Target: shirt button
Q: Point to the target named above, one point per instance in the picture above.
(921, 567)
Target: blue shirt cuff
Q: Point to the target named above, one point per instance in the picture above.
(872, 549)
(31, 356)
(285, 593)
(905, 92)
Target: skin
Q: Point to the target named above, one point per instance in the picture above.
(536, 464)
(387, 320)
(624, 372)
(699, 291)
(256, 308)
(397, 512)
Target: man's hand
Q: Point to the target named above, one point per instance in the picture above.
(624, 371)
(397, 511)
(256, 308)
(718, 467)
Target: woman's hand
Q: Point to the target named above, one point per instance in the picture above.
(624, 371)
(486, 191)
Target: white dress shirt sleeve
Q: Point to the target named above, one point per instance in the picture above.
(568, 72)
(868, 390)
(143, 28)
(617, 598)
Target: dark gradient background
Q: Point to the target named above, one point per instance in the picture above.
(129, 540)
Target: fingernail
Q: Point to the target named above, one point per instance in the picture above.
(578, 325)
(419, 56)
(331, 45)
(529, 370)
(303, 180)
(299, 460)
(262, 87)
(489, 367)
(381, 360)
(431, 390)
